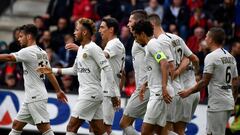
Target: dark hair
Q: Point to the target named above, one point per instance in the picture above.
(155, 19)
(143, 26)
(139, 15)
(29, 29)
(112, 22)
(217, 34)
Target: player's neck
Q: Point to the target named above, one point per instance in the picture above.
(215, 47)
(111, 37)
(158, 32)
(85, 42)
(30, 43)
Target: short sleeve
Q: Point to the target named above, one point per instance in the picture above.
(113, 50)
(208, 64)
(156, 51)
(22, 56)
(98, 55)
(167, 51)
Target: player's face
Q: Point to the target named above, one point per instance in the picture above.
(131, 22)
(22, 39)
(208, 40)
(79, 32)
(140, 38)
(104, 31)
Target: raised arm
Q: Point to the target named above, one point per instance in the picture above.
(7, 57)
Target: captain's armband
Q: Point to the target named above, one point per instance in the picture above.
(159, 56)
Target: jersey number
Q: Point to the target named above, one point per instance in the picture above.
(228, 74)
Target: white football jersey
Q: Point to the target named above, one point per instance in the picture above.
(178, 50)
(89, 62)
(139, 65)
(116, 51)
(32, 57)
(222, 65)
(154, 54)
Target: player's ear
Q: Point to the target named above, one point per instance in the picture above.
(29, 36)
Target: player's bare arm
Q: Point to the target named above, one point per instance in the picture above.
(142, 90)
(201, 84)
(195, 60)
(235, 84)
(7, 57)
(182, 67)
(164, 66)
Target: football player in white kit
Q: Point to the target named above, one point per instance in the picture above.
(176, 52)
(220, 74)
(115, 53)
(34, 108)
(135, 107)
(157, 79)
(89, 63)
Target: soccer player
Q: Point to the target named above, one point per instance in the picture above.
(89, 63)
(135, 107)
(177, 53)
(220, 74)
(114, 51)
(34, 108)
(157, 79)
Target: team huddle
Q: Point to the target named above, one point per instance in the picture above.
(166, 94)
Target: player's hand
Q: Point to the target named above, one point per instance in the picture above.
(62, 97)
(166, 97)
(71, 47)
(116, 101)
(44, 70)
(142, 92)
(184, 93)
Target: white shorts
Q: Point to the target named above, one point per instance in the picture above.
(87, 110)
(108, 111)
(182, 109)
(34, 113)
(156, 113)
(136, 108)
(217, 121)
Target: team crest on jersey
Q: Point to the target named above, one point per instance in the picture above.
(84, 55)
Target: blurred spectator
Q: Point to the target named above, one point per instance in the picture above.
(83, 8)
(210, 6)
(3, 47)
(202, 53)
(14, 46)
(130, 84)
(11, 82)
(127, 39)
(237, 19)
(155, 7)
(46, 41)
(197, 20)
(173, 29)
(67, 83)
(58, 35)
(235, 51)
(65, 55)
(57, 9)
(39, 23)
(177, 13)
(224, 17)
(109, 8)
(195, 4)
(53, 57)
(194, 40)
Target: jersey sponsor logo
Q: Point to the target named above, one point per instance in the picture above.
(9, 106)
(84, 70)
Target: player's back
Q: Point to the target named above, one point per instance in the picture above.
(222, 65)
(32, 57)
